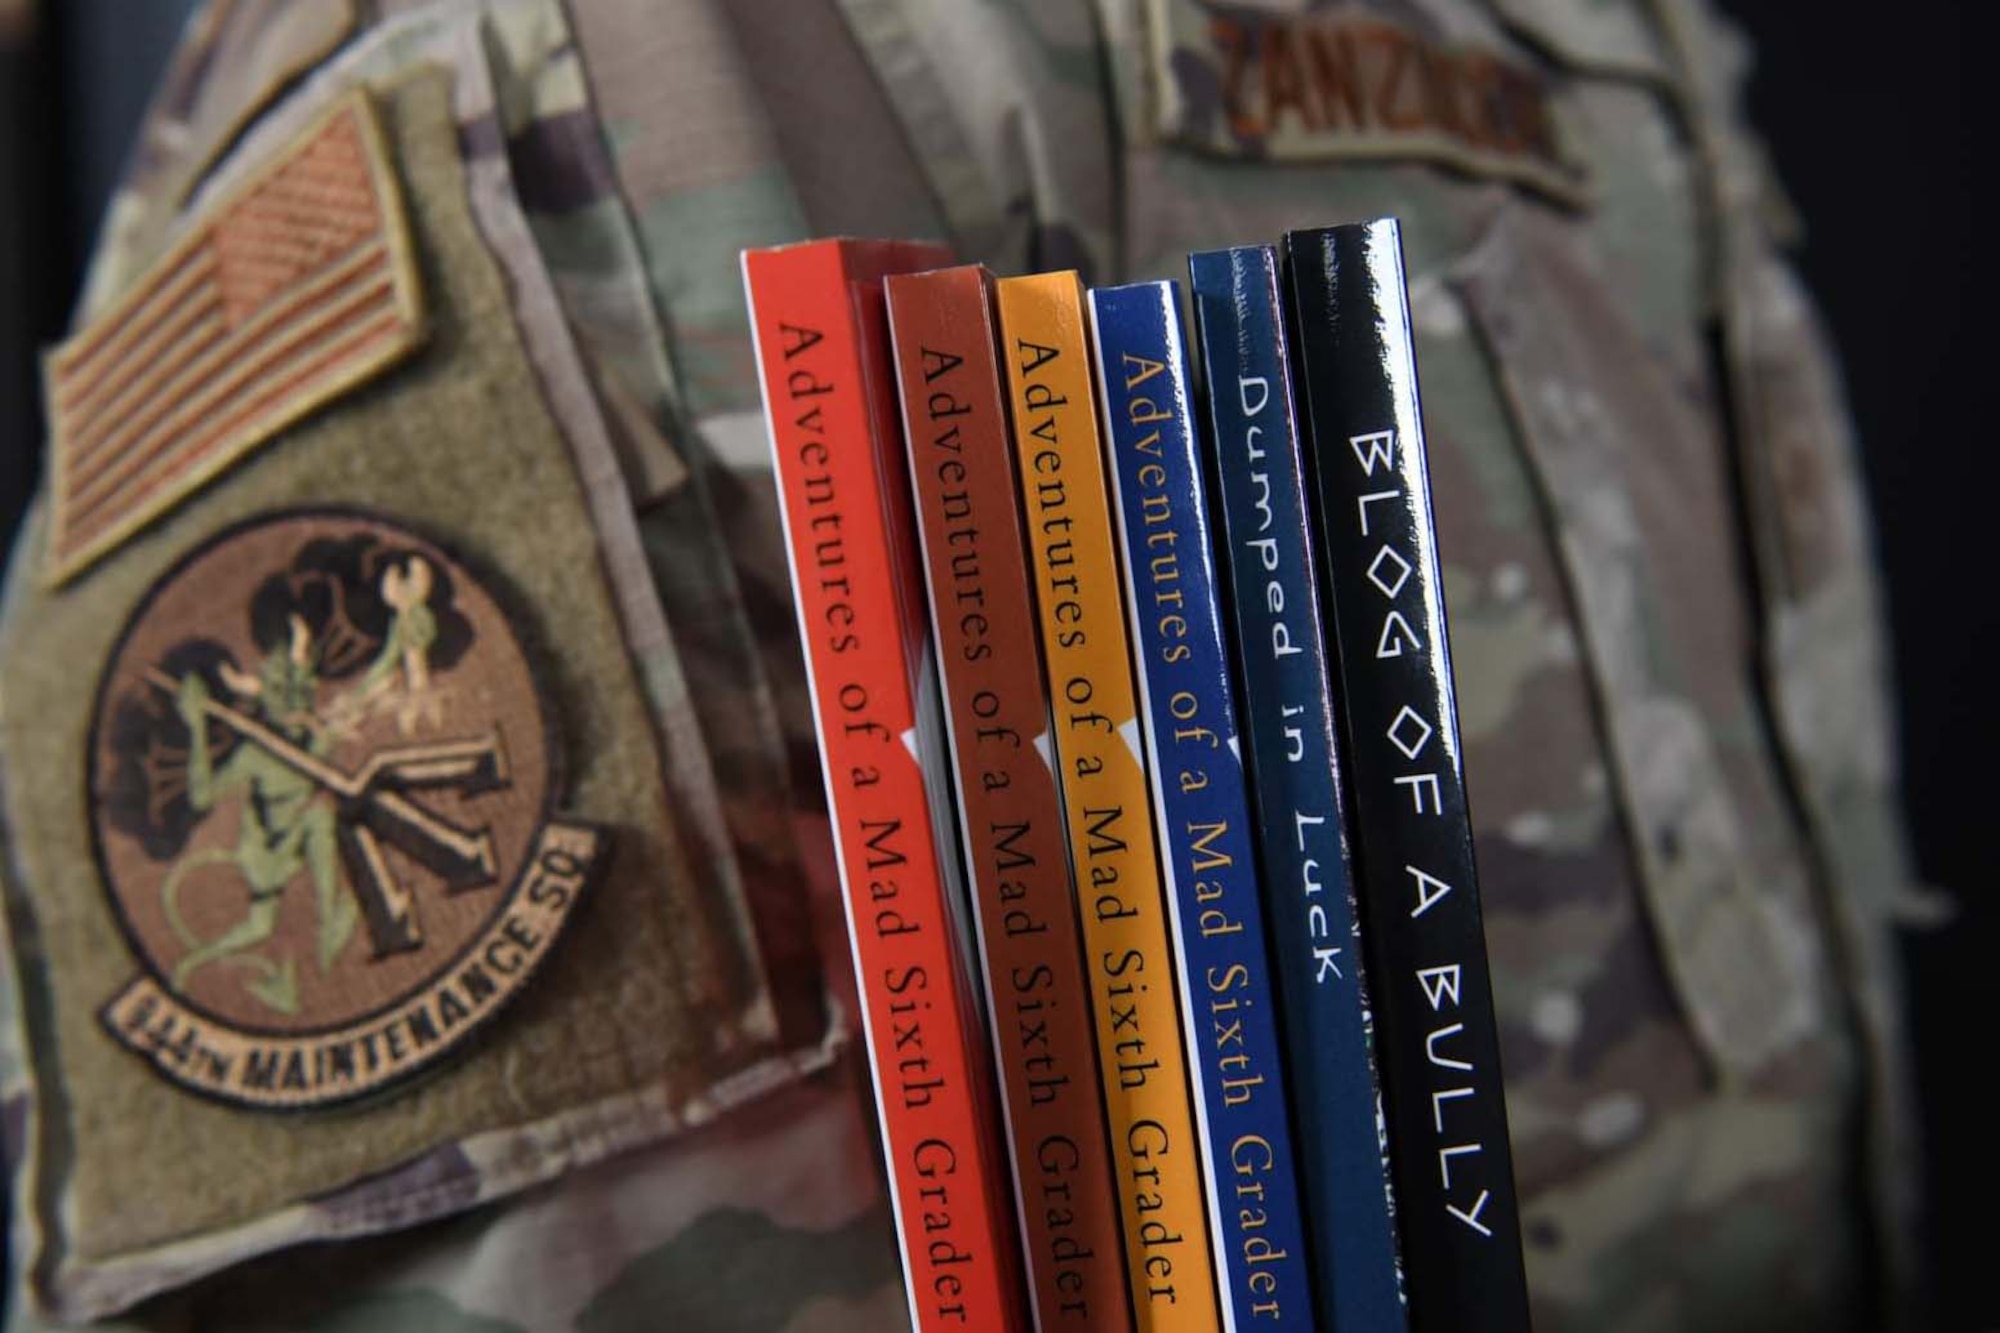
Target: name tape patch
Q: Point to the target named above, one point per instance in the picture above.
(1331, 85)
(294, 288)
(321, 792)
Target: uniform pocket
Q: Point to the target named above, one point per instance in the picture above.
(1634, 480)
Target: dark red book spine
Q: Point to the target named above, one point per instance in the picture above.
(1010, 810)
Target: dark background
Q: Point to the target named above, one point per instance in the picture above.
(1867, 124)
(1865, 113)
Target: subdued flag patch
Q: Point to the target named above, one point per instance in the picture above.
(292, 289)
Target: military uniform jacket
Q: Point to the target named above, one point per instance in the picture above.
(414, 841)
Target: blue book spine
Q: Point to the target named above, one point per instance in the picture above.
(1202, 807)
(1258, 473)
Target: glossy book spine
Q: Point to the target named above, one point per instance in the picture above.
(1017, 857)
(1287, 725)
(1201, 806)
(1121, 903)
(828, 384)
(1437, 1043)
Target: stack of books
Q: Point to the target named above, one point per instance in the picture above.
(1136, 713)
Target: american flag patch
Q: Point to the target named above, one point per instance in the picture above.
(297, 286)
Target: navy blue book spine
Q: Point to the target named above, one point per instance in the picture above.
(1202, 807)
(1253, 458)
(1438, 1043)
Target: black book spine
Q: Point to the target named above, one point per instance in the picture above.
(1437, 1044)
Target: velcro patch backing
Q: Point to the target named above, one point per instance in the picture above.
(290, 291)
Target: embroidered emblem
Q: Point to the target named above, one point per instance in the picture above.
(293, 289)
(1329, 85)
(320, 785)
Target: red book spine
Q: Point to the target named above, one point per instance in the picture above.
(1010, 811)
(823, 361)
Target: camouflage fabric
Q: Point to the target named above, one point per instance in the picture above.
(533, 68)
(1679, 759)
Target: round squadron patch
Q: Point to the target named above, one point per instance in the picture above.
(320, 782)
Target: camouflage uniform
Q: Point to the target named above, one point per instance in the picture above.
(1657, 563)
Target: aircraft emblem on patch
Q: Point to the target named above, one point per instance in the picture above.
(321, 782)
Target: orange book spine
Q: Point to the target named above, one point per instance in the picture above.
(1121, 898)
(823, 361)
(997, 721)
